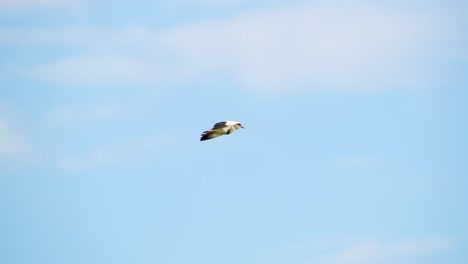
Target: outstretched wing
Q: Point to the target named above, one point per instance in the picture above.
(219, 125)
(209, 135)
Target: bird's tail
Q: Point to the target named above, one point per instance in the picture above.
(207, 135)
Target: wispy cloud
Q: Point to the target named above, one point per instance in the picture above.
(13, 145)
(95, 158)
(392, 252)
(365, 250)
(313, 47)
(53, 37)
(123, 152)
(68, 115)
(208, 3)
(97, 70)
(10, 144)
(17, 5)
(347, 47)
(105, 112)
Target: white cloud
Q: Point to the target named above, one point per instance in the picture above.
(363, 250)
(15, 5)
(12, 143)
(102, 112)
(69, 37)
(98, 112)
(97, 70)
(116, 153)
(208, 3)
(340, 46)
(394, 252)
(312, 47)
(9, 142)
(95, 158)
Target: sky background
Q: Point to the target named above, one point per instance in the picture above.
(354, 149)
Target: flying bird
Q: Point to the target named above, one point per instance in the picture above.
(220, 129)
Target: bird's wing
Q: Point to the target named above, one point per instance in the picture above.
(209, 135)
(219, 125)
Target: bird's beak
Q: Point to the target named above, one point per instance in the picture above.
(242, 127)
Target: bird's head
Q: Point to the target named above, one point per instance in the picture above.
(238, 125)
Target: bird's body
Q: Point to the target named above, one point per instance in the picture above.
(220, 129)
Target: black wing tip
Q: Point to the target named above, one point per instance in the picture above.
(204, 137)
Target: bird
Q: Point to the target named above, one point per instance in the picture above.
(220, 129)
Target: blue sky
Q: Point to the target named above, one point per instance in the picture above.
(354, 150)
